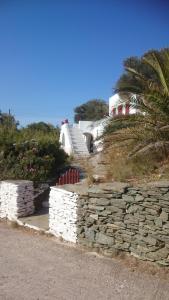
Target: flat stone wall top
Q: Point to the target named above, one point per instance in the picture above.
(80, 188)
(84, 189)
(60, 189)
(155, 184)
(109, 187)
(17, 182)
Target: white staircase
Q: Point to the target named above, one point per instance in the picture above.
(78, 142)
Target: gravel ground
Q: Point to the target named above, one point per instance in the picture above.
(34, 266)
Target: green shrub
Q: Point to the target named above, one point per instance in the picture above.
(32, 152)
(33, 160)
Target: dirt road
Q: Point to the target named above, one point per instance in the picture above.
(37, 267)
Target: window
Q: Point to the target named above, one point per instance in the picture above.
(127, 109)
(120, 108)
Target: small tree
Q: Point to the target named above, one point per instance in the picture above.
(7, 121)
(92, 110)
(32, 153)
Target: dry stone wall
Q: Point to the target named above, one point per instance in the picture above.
(63, 214)
(109, 217)
(16, 199)
(114, 217)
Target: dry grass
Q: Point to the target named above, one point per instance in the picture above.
(137, 169)
(86, 168)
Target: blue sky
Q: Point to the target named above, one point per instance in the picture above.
(58, 54)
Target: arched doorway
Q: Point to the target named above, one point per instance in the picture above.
(89, 141)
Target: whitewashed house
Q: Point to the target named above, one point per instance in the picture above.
(81, 139)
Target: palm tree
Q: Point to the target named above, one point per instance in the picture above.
(148, 79)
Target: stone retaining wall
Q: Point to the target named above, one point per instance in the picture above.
(109, 217)
(16, 199)
(113, 217)
(133, 219)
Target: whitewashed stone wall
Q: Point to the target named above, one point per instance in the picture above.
(16, 199)
(63, 214)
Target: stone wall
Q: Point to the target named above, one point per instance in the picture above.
(16, 199)
(113, 217)
(109, 217)
(63, 214)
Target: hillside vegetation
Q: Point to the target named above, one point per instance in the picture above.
(32, 152)
(137, 146)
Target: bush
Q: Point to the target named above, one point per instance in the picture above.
(33, 160)
(32, 152)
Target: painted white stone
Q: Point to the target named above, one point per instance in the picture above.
(63, 214)
(16, 199)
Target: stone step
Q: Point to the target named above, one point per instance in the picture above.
(78, 142)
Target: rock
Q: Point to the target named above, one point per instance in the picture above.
(119, 187)
(115, 209)
(164, 216)
(95, 207)
(150, 199)
(132, 227)
(100, 201)
(94, 216)
(159, 184)
(120, 203)
(127, 238)
(105, 213)
(122, 246)
(165, 190)
(139, 198)
(140, 217)
(150, 217)
(100, 195)
(159, 254)
(129, 219)
(80, 230)
(166, 225)
(89, 221)
(163, 263)
(128, 198)
(99, 178)
(149, 205)
(132, 209)
(90, 234)
(116, 195)
(158, 222)
(132, 191)
(153, 193)
(150, 223)
(152, 211)
(143, 232)
(150, 240)
(113, 252)
(104, 239)
(165, 197)
(113, 226)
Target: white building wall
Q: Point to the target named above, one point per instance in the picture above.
(115, 101)
(65, 139)
(93, 128)
(86, 126)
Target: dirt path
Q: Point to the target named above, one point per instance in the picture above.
(37, 267)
